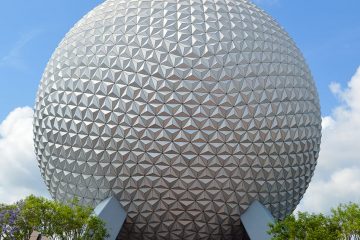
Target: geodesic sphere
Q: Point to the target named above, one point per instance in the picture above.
(185, 110)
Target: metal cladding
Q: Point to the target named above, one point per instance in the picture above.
(185, 110)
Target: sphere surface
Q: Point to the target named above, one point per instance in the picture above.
(185, 110)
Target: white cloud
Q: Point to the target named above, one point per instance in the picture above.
(19, 173)
(342, 187)
(327, 122)
(337, 176)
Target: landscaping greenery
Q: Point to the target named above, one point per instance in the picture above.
(342, 224)
(51, 218)
(74, 222)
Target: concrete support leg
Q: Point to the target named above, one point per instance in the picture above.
(256, 220)
(112, 213)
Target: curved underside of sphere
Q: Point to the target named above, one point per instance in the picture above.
(185, 110)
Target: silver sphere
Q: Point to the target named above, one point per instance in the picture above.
(185, 110)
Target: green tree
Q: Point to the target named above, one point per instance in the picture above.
(305, 226)
(53, 219)
(347, 216)
(342, 224)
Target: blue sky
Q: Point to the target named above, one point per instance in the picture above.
(31, 30)
(327, 32)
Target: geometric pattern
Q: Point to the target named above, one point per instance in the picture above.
(185, 110)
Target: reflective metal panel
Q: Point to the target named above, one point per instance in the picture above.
(185, 110)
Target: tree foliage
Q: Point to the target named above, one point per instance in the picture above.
(348, 219)
(342, 224)
(51, 218)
